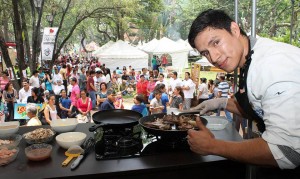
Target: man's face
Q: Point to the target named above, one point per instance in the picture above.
(56, 70)
(161, 78)
(222, 49)
(25, 85)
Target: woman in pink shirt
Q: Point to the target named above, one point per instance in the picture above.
(151, 85)
(84, 104)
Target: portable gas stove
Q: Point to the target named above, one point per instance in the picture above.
(124, 143)
(118, 143)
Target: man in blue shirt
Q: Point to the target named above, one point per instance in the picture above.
(108, 104)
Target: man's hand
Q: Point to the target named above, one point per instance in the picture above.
(200, 141)
(210, 105)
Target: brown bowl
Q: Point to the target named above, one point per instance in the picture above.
(38, 152)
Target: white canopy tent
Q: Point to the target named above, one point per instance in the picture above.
(102, 48)
(150, 45)
(177, 51)
(122, 54)
(203, 62)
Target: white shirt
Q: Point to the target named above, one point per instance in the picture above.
(57, 89)
(163, 82)
(34, 81)
(274, 91)
(174, 83)
(23, 95)
(190, 92)
(34, 122)
(56, 77)
(204, 91)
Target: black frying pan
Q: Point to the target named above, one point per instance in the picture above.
(116, 118)
(166, 134)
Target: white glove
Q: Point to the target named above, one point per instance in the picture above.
(210, 105)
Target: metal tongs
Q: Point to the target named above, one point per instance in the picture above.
(88, 145)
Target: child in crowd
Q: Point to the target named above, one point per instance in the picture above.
(139, 106)
(156, 105)
(119, 101)
(130, 90)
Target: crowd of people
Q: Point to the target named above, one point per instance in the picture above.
(74, 87)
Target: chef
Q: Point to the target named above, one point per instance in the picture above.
(269, 77)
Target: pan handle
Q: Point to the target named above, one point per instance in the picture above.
(95, 127)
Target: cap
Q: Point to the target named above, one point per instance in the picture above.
(46, 91)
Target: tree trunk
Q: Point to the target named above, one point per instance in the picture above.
(27, 46)
(36, 44)
(18, 37)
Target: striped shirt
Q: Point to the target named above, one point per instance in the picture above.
(224, 88)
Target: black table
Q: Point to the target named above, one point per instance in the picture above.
(170, 165)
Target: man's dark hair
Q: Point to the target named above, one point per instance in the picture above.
(156, 92)
(74, 79)
(35, 72)
(175, 73)
(216, 19)
(92, 72)
(162, 75)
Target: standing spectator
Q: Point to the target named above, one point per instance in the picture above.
(75, 94)
(9, 96)
(211, 86)
(63, 73)
(75, 74)
(177, 99)
(188, 88)
(35, 97)
(174, 81)
(34, 80)
(164, 60)
(156, 105)
(65, 104)
(203, 91)
(41, 74)
(84, 104)
(24, 92)
(48, 81)
(223, 93)
(144, 72)
(55, 77)
(82, 79)
(150, 86)
(4, 79)
(141, 86)
(119, 101)
(154, 62)
(50, 111)
(161, 80)
(91, 88)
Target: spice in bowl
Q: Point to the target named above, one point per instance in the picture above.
(38, 152)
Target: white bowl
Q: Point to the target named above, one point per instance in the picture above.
(64, 125)
(66, 140)
(9, 128)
